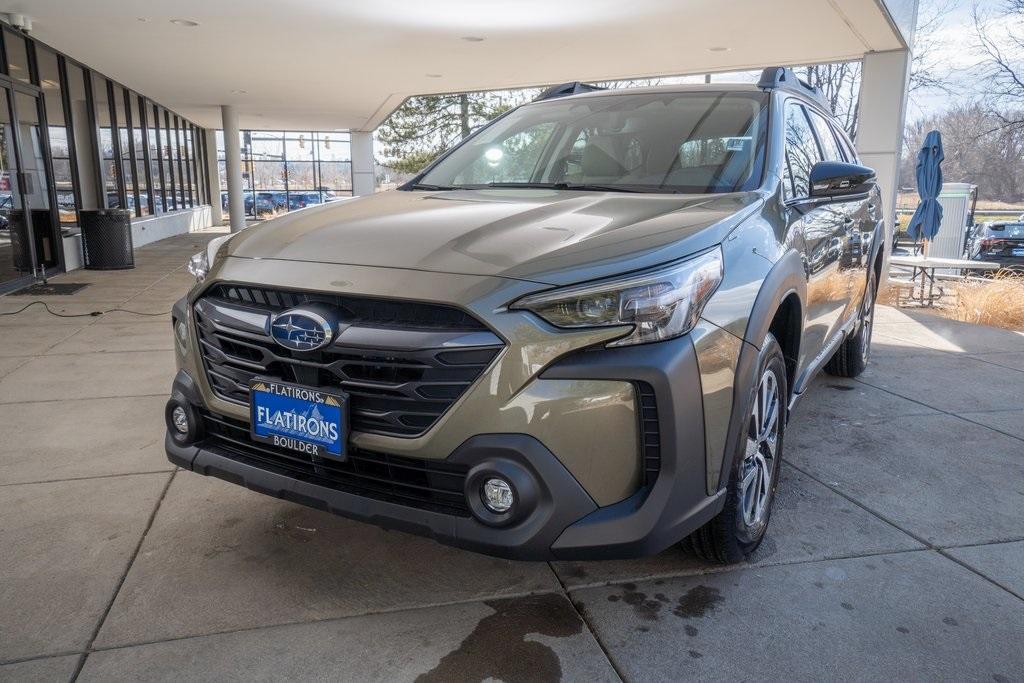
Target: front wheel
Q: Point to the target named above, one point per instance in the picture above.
(739, 528)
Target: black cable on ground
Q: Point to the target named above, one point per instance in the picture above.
(91, 314)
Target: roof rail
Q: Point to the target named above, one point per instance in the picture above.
(564, 89)
(784, 77)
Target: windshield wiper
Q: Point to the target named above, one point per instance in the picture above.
(583, 187)
(433, 188)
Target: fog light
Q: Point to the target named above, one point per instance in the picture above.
(180, 419)
(497, 495)
(182, 331)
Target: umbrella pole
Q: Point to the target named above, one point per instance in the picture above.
(924, 254)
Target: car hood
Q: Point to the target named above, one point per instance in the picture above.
(547, 236)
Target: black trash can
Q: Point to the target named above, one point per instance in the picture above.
(107, 239)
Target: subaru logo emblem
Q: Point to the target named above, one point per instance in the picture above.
(301, 330)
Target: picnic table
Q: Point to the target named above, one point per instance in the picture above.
(926, 266)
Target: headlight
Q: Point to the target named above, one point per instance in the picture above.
(199, 264)
(660, 304)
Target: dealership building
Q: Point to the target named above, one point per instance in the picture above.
(178, 114)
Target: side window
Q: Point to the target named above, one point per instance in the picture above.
(826, 137)
(844, 142)
(801, 149)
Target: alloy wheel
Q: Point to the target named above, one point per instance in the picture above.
(760, 458)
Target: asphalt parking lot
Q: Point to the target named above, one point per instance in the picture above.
(896, 550)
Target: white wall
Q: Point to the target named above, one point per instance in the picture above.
(146, 230)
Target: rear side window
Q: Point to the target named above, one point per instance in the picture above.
(801, 150)
(829, 146)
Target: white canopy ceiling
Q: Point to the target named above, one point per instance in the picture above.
(345, 64)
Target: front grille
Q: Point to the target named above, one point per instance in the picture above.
(428, 484)
(354, 309)
(650, 433)
(402, 364)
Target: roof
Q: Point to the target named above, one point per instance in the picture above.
(326, 65)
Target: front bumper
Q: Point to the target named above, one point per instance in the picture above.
(562, 520)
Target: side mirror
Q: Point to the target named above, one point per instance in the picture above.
(830, 179)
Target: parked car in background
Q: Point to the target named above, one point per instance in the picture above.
(300, 200)
(999, 242)
(264, 203)
(578, 334)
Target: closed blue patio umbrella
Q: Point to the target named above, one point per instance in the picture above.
(926, 219)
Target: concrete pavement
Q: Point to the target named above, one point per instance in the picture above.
(895, 549)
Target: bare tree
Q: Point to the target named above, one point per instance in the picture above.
(1001, 44)
(840, 82)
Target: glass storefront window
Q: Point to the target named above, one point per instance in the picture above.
(109, 166)
(334, 147)
(57, 135)
(186, 155)
(139, 147)
(17, 56)
(171, 184)
(124, 150)
(155, 168)
(290, 170)
(336, 176)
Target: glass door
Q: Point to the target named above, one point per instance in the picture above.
(35, 185)
(17, 257)
(29, 239)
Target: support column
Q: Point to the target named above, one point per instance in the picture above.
(364, 175)
(213, 177)
(883, 103)
(85, 156)
(233, 166)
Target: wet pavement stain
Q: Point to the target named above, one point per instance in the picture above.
(498, 648)
(694, 654)
(697, 602)
(691, 630)
(903, 629)
(950, 621)
(846, 605)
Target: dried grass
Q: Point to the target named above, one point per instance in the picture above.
(997, 301)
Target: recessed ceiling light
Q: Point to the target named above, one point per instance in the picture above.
(142, 19)
(473, 39)
(433, 75)
(239, 92)
(719, 49)
(188, 23)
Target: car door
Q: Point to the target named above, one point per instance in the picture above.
(823, 228)
(858, 226)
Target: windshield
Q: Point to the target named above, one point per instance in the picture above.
(692, 142)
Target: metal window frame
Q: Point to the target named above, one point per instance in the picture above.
(170, 161)
(146, 156)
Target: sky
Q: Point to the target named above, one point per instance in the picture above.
(956, 54)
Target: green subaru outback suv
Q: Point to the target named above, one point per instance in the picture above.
(578, 334)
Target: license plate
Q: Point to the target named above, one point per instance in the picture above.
(303, 419)
(1018, 252)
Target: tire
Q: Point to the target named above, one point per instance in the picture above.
(853, 354)
(739, 528)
